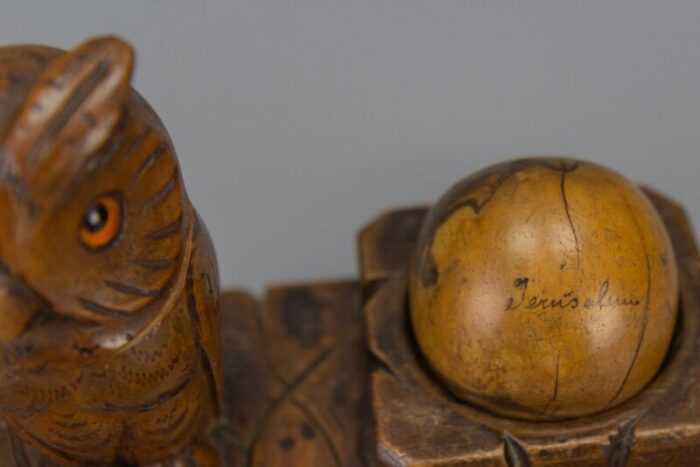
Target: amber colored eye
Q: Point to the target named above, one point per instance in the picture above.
(101, 223)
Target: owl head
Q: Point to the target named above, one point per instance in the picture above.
(94, 219)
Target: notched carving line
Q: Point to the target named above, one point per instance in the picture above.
(68, 110)
(150, 160)
(513, 452)
(167, 231)
(378, 362)
(133, 290)
(371, 287)
(157, 401)
(113, 147)
(286, 395)
(102, 310)
(65, 455)
(618, 450)
(137, 143)
(324, 434)
(387, 456)
(16, 184)
(154, 264)
(193, 310)
(163, 193)
(18, 452)
(173, 425)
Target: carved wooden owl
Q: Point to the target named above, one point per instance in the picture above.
(109, 337)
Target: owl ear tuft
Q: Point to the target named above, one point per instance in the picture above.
(72, 108)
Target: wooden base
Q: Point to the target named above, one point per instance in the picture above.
(309, 385)
(419, 423)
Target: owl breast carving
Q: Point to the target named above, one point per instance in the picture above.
(110, 345)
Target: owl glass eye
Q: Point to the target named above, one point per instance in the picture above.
(101, 223)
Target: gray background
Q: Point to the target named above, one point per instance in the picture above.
(298, 121)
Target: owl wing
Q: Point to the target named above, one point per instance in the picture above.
(203, 302)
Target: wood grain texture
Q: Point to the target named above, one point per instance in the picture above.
(296, 377)
(418, 422)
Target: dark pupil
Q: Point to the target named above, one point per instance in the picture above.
(96, 218)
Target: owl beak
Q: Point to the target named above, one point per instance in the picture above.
(18, 308)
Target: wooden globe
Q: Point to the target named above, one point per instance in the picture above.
(544, 289)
